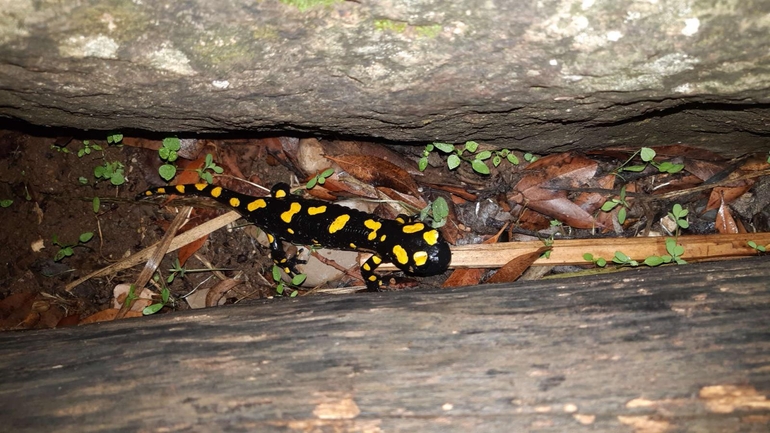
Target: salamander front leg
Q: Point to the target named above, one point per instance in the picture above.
(372, 281)
(289, 265)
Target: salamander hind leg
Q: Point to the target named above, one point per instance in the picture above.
(277, 253)
(372, 281)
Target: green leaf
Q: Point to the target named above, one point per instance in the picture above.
(209, 160)
(152, 309)
(683, 224)
(609, 205)
(167, 171)
(634, 168)
(312, 182)
(164, 294)
(172, 156)
(678, 251)
(471, 146)
(622, 215)
(428, 149)
(163, 153)
(513, 159)
(588, 257)
(279, 288)
(82, 180)
(276, 273)
(207, 177)
(96, 147)
(677, 210)
(484, 155)
(440, 209)
(653, 261)
(172, 143)
(117, 178)
(497, 160)
(85, 237)
(298, 279)
(294, 294)
(453, 161)
(621, 257)
(675, 168)
(328, 172)
(6, 203)
(600, 262)
(99, 171)
(422, 164)
(479, 166)
(219, 170)
(647, 154)
(444, 147)
(96, 203)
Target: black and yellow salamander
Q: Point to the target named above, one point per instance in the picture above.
(412, 246)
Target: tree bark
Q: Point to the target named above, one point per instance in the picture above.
(536, 76)
(682, 348)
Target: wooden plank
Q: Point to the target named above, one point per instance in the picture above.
(570, 251)
(680, 348)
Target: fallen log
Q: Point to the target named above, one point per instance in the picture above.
(676, 348)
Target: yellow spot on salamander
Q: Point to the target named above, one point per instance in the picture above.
(270, 238)
(216, 192)
(400, 220)
(352, 245)
(280, 193)
(161, 190)
(180, 188)
(293, 209)
(287, 270)
(315, 210)
(413, 228)
(382, 238)
(367, 267)
(420, 257)
(256, 204)
(234, 202)
(372, 277)
(148, 193)
(400, 254)
(290, 230)
(338, 223)
(376, 260)
(431, 237)
(201, 186)
(373, 226)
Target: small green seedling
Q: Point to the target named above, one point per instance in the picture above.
(112, 171)
(96, 203)
(114, 138)
(624, 206)
(165, 294)
(88, 148)
(758, 248)
(598, 261)
(168, 153)
(180, 271)
(439, 212)
(208, 165)
(457, 156)
(82, 180)
(281, 287)
(320, 178)
(66, 250)
(622, 259)
(679, 215)
(60, 149)
(530, 158)
(648, 157)
(6, 203)
(674, 255)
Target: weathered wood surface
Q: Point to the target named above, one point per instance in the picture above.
(534, 75)
(672, 349)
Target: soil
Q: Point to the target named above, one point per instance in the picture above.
(50, 201)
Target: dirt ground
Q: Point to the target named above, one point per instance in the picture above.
(48, 186)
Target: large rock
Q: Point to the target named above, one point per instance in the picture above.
(544, 75)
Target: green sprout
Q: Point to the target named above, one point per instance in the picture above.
(598, 261)
(96, 203)
(6, 203)
(209, 164)
(624, 205)
(165, 294)
(114, 138)
(168, 153)
(88, 148)
(320, 178)
(648, 156)
(438, 210)
(679, 215)
(112, 171)
(758, 248)
(457, 156)
(66, 250)
(296, 280)
(622, 259)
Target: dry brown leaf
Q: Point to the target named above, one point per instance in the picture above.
(725, 223)
(378, 172)
(512, 270)
(107, 315)
(469, 276)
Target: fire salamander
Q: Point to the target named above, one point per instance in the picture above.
(409, 244)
